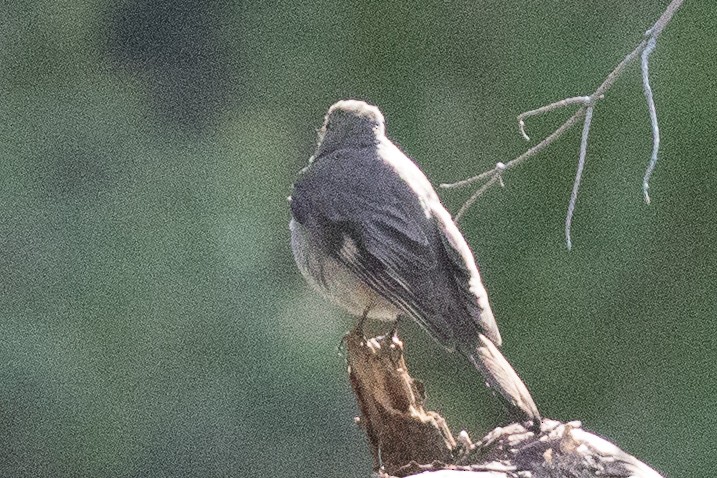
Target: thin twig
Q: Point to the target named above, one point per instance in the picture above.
(577, 116)
(578, 174)
(576, 100)
(644, 48)
(475, 196)
(653, 117)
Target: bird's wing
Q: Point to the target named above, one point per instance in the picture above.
(373, 222)
(465, 270)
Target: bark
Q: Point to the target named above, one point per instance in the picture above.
(408, 440)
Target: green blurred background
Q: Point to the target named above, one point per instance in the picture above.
(152, 320)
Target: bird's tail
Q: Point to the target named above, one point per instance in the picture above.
(501, 376)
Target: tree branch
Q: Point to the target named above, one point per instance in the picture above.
(587, 104)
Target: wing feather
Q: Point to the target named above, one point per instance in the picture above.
(399, 249)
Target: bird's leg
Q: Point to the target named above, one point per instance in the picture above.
(358, 329)
(394, 329)
(393, 333)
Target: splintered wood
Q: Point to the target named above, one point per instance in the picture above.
(399, 429)
(406, 439)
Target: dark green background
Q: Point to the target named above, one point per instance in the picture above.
(152, 322)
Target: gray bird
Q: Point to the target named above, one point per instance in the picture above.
(369, 232)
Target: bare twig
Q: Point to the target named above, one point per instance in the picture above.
(576, 100)
(495, 178)
(653, 118)
(587, 103)
(578, 174)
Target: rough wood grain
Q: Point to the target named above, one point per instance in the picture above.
(408, 440)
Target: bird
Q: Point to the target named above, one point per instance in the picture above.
(370, 233)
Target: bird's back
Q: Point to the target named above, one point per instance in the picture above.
(407, 248)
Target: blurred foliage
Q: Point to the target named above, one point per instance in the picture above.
(152, 320)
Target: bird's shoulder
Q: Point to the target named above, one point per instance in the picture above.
(354, 184)
(357, 192)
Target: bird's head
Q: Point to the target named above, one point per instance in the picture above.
(350, 123)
